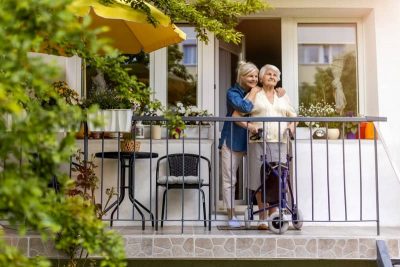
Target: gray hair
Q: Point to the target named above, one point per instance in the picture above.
(245, 68)
(267, 67)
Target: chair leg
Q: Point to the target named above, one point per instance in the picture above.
(204, 207)
(156, 219)
(163, 207)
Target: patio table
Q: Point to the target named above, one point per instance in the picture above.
(127, 160)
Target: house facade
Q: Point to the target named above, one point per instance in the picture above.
(306, 39)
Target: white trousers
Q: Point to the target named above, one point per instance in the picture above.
(230, 164)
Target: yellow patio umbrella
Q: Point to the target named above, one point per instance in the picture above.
(127, 27)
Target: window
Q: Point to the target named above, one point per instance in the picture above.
(137, 65)
(182, 70)
(189, 54)
(327, 58)
(319, 54)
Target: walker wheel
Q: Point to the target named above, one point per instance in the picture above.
(297, 219)
(247, 219)
(276, 223)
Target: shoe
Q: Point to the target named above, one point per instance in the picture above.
(262, 226)
(234, 223)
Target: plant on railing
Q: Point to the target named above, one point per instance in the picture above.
(351, 128)
(152, 109)
(190, 111)
(174, 116)
(319, 109)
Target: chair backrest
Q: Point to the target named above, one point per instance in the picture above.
(183, 164)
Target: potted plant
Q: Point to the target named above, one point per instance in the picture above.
(192, 129)
(351, 130)
(116, 93)
(114, 113)
(152, 109)
(321, 109)
(83, 187)
(86, 183)
(129, 142)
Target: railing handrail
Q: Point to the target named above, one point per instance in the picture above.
(266, 119)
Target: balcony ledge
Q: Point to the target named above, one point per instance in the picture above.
(196, 242)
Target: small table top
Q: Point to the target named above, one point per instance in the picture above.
(126, 155)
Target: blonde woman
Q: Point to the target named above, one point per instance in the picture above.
(233, 142)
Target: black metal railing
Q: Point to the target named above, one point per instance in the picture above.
(328, 178)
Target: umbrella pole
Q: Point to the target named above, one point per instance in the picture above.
(85, 126)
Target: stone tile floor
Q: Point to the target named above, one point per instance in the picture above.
(322, 242)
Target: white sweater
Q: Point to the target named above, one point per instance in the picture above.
(281, 107)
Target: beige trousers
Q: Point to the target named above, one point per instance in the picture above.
(230, 164)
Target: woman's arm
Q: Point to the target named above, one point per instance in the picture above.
(237, 102)
(247, 125)
(252, 94)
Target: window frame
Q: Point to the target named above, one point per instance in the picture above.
(205, 78)
(290, 56)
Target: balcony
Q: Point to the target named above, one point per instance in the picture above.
(345, 188)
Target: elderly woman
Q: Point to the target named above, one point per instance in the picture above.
(267, 104)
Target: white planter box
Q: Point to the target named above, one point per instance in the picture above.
(112, 120)
(303, 133)
(192, 131)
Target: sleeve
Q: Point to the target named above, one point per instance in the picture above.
(237, 102)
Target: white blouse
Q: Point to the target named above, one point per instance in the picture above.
(281, 107)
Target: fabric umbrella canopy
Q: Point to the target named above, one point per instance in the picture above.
(128, 28)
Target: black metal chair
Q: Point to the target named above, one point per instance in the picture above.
(182, 172)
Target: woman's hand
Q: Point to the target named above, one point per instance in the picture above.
(256, 89)
(291, 127)
(252, 94)
(252, 128)
(280, 91)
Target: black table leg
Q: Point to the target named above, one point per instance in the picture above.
(131, 193)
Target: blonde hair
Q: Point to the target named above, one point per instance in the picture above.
(245, 68)
(267, 67)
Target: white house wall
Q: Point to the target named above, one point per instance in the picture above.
(387, 23)
(381, 55)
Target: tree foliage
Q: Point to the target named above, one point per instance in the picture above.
(30, 151)
(217, 16)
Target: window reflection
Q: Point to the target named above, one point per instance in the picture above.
(182, 70)
(327, 65)
(137, 65)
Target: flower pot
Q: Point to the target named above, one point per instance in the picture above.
(194, 131)
(155, 132)
(351, 135)
(333, 133)
(319, 133)
(130, 145)
(139, 130)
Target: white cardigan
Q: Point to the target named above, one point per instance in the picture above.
(281, 107)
